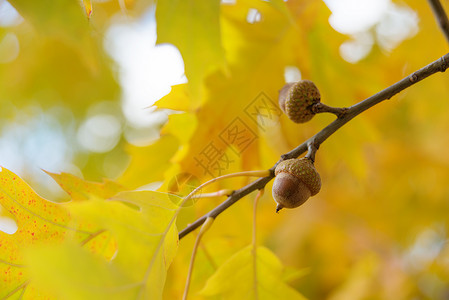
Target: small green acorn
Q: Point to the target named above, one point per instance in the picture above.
(296, 100)
(296, 181)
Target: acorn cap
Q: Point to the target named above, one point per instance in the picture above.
(300, 97)
(304, 170)
(283, 93)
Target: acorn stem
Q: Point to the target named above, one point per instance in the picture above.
(323, 108)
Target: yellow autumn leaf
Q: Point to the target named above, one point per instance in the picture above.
(179, 98)
(38, 221)
(88, 7)
(68, 271)
(142, 224)
(182, 126)
(239, 278)
(197, 38)
(152, 160)
(80, 190)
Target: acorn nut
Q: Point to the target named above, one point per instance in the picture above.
(296, 180)
(296, 100)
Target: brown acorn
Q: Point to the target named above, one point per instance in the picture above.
(296, 100)
(296, 180)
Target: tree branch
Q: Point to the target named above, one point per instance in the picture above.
(441, 16)
(439, 65)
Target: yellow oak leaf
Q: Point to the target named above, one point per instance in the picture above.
(80, 190)
(130, 236)
(149, 163)
(182, 126)
(197, 38)
(38, 221)
(179, 98)
(142, 223)
(88, 7)
(239, 278)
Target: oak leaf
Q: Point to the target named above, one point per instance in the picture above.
(38, 220)
(238, 277)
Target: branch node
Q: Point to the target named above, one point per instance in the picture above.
(285, 156)
(343, 112)
(413, 78)
(312, 148)
(444, 64)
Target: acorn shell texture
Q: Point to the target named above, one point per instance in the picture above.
(304, 170)
(300, 97)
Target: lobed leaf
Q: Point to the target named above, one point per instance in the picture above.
(235, 279)
(142, 224)
(81, 190)
(117, 248)
(38, 220)
(197, 38)
(149, 163)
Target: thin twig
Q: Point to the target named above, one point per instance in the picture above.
(441, 17)
(439, 65)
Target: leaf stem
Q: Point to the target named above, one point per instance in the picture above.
(259, 173)
(224, 192)
(207, 224)
(254, 241)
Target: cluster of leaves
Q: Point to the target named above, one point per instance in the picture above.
(117, 248)
(369, 232)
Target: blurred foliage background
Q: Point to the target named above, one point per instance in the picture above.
(76, 95)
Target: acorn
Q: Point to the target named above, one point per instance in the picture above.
(301, 100)
(296, 181)
(296, 100)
